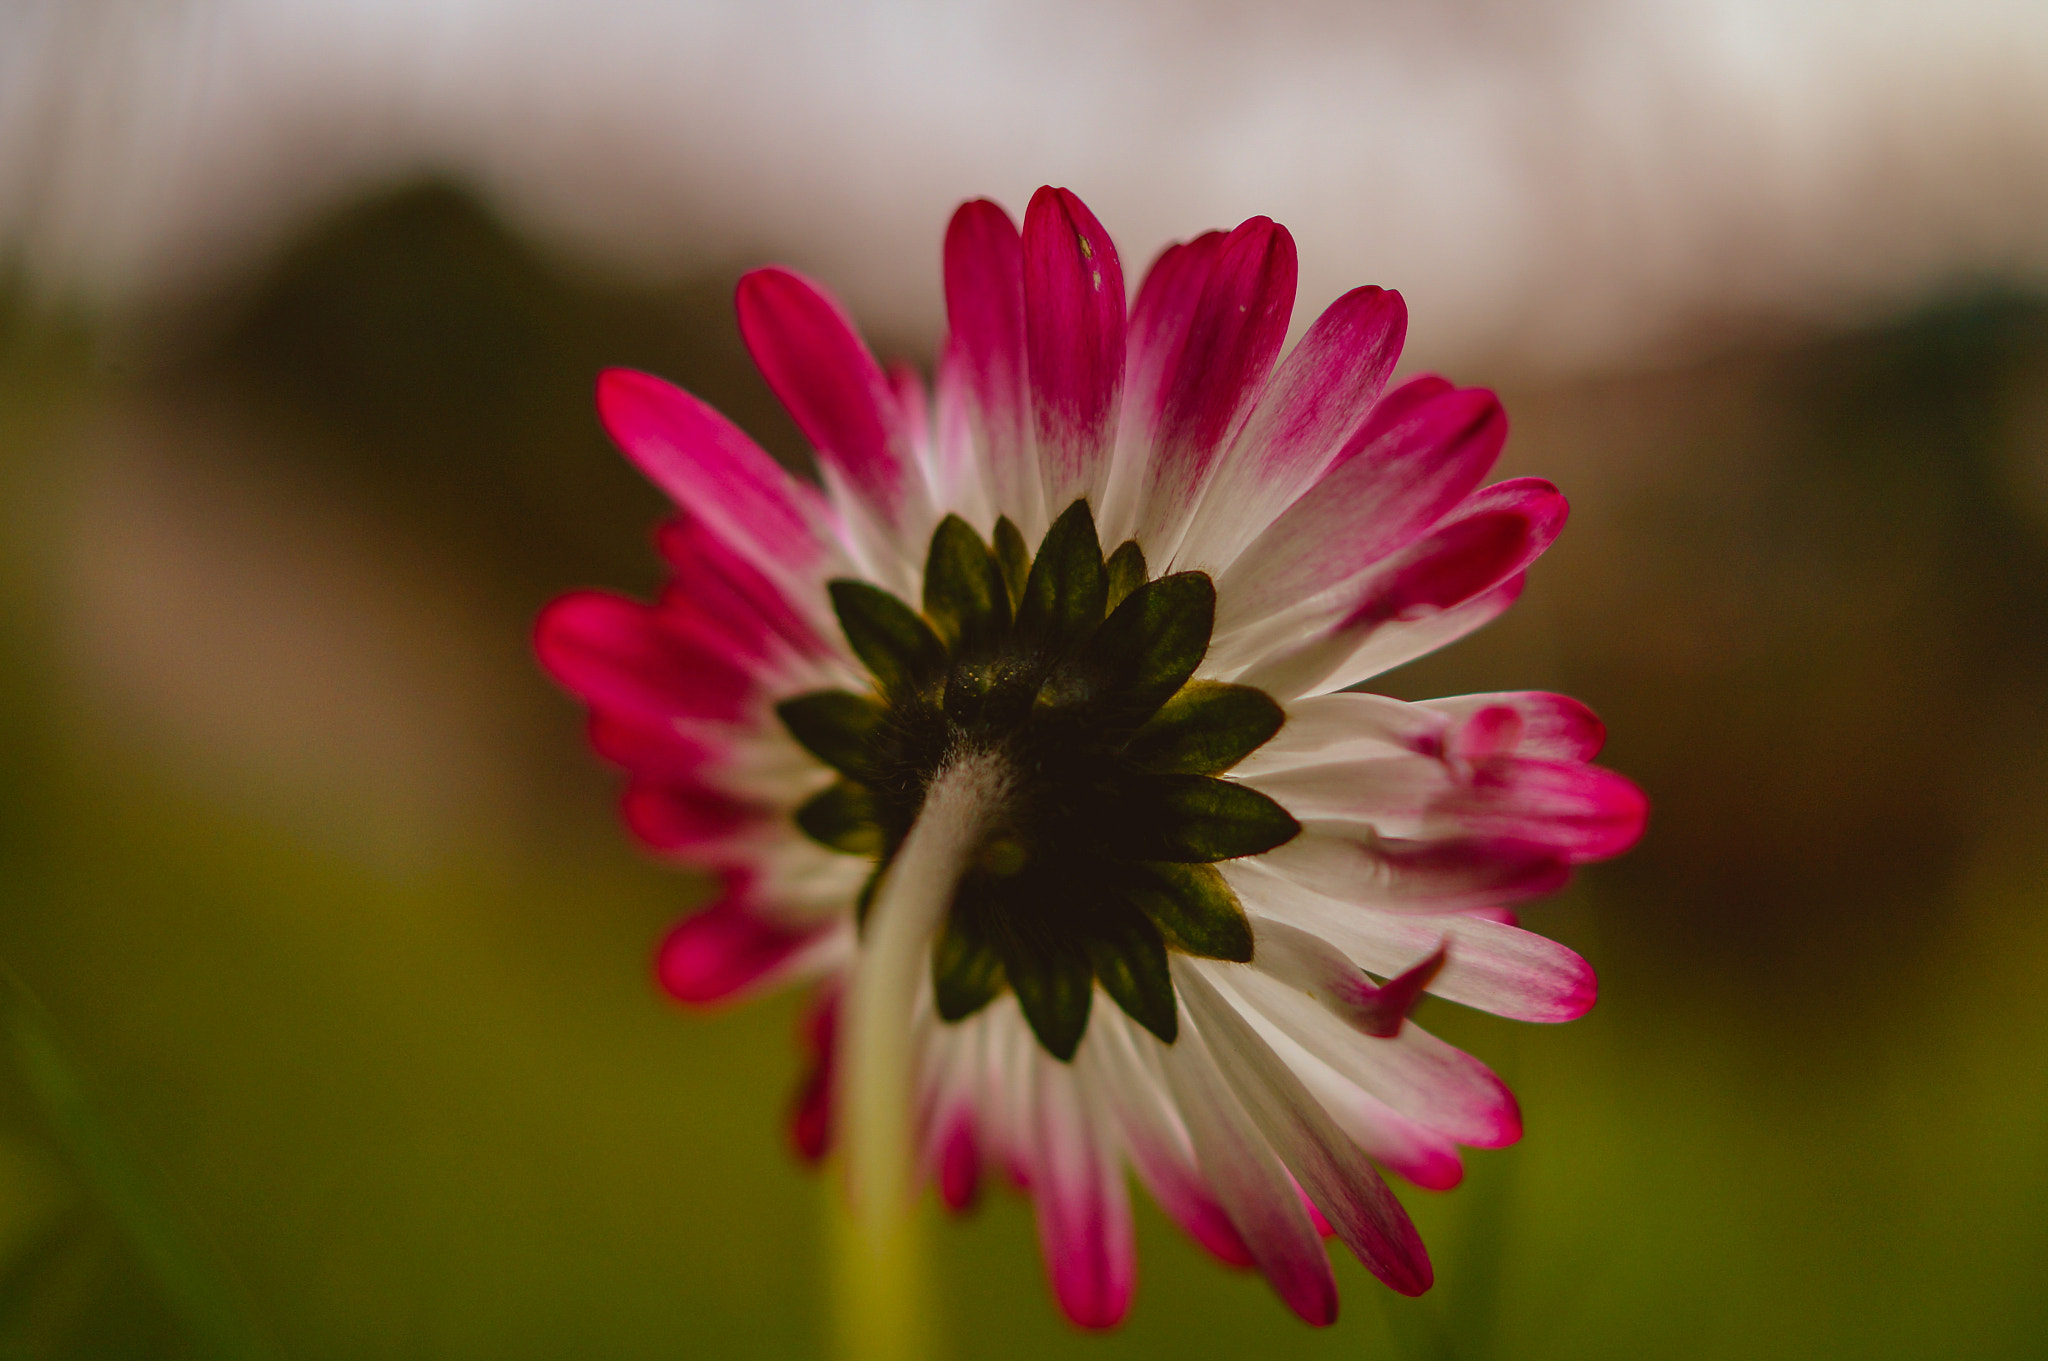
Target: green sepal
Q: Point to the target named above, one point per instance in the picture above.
(1205, 729)
(1013, 559)
(1147, 649)
(1130, 962)
(1193, 819)
(892, 639)
(965, 596)
(1066, 593)
(1193, 908)
(1054, 981)
(1126, 570)
(843, 818)
(967, 973)
(836, 726)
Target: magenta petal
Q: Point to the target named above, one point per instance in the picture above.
(912, 408)
(985, 313)
(711, 469)
(1084, 1210)
(1415, 1073)
(810, 1117)
(1473, 872)
(1389, 485)
(1311, 406)
(1233, 336)
(1420, 427)
(1324, 389)
(1583, 812)
(1414, 1150)
(1156, 1142)
(1197, 1212)
(724, 948)
(1345, 656)
(960, 1166)
(1094, 1291)
(1448, 568)
(1511, 972)
(1467, 1101)
(1554, 727)
(671, 816)
(1536, 502)
(1494, 967)
(1388, 646)
(1491, 538)
(1400, 406)
(1178, 1187)
(648, 748)
(1431, 1165)
(1380, 1011)
(1315, 1216)
(1319, 1155)
(1161, 316)
(816, 362)
(1352, 862)
(620, 655)
(1535, 498)
(1490, 731)
(1250, 1182)
(1074, 335)
(1498, 967)
(719, 585)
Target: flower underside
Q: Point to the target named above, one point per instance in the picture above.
(1074, 671)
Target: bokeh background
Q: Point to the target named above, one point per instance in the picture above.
(329, 1030)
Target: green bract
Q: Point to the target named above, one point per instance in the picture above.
(1075, 672)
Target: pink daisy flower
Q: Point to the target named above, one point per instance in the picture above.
(1027, 739)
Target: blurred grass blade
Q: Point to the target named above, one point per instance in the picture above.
(192, 1278)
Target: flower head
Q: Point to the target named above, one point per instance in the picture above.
(1027, 738)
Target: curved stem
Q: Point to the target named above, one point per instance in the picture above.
(907, 912)
(880, 1283)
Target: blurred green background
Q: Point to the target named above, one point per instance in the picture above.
(331, 1031)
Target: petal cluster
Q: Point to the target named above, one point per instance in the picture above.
(1345, 529)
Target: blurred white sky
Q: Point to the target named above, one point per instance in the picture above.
(1555, 186)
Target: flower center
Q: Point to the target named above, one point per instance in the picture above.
(1074, 672)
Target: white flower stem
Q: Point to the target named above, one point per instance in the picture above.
(879, 1314)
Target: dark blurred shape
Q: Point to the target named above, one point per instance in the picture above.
(1820, 643)
(452, 368)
